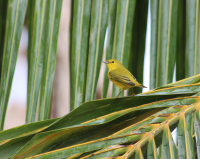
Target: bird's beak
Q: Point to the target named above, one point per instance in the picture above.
(105, 62)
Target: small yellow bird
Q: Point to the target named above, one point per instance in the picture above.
(120, 76)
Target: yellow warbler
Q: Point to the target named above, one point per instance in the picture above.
(120, 76)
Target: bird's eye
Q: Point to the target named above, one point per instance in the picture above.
(112, 61)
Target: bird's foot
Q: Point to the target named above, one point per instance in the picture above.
(133, 92)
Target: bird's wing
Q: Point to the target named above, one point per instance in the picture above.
(134, 78)
(121, 78)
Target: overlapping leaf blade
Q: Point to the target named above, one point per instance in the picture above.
(79, 50)
(154, 4)
(197, 131)
(98, 144)
(111, 151)
(52, 23)
(189, 80)
(16, 10)
(136, 59)
(24, 130)
(30, 19)
(192, 39)
(169, 148)
(165, 45)
(139, 154)
(99, 16)
(10, 148)
(185, 141)
(193, 88)
(35, 56)
(181, 40)
(151, 149)
(3, 12)
(95, 109)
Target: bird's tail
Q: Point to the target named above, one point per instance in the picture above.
(142, 86)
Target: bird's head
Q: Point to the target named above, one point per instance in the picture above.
(112, 64)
